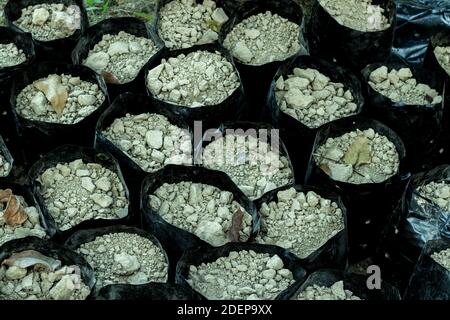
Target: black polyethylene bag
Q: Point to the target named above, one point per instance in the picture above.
(430, 280)
(113, 26)
(40, 137)
(298, 137)
(8, 158)
(419, 126)
(50, 249)
(28, 196)
(207, 255)
(256, 79)
(211, 115)
(70, 153)
(369, 205)
(348, 47)
(88, 235)
(176, 239)
(152, 291)
(333, 253)
(417, 21)
(55, 50)
(353, 282)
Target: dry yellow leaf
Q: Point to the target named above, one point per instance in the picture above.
(358, 153)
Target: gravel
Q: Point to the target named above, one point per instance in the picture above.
(335, 292)
(151, 140)
(443, 57)
(443, 258)
(5, 166)
(263, 38)
(310, 219)
(310, 97)
(361, 15)
(249, 162)
(437, 192)
(358, 157)
(39, 282)
(11, 55)
(120, 57)
(77, 191)
(50, 21)
(10, 205)
(200, 78)
(125, 258)
(401, 86)
(62, 99)
(201, 209)
(242, 275)
(185, 23)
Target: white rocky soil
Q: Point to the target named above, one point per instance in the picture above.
(204, 210)
(401, 86)
(151, 141)
(200, 78)
(5, 166)
(30, 275)
(125, 258)
(437, 192)
(443, 258)
(11, 55)
(50, 21)
(361, 15)
(358, 157)
(263, 38)
(75, 192)
(185, 23)
(62, 99)
(443, 57)
(242, 275)
(310, 219)
(335, 292)
(120, 57)
(310, 97)
(18, 219)
(249, 162)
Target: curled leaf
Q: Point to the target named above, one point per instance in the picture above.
(5, 195)
(14, 214)
(233, 234)
(109, 77)
(54, 91)
(358, 153)
(325, 168)
(32, 258)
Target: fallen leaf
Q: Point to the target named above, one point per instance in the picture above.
(358, 153)
(54, 91)
(32, 258)
(109, 77)
(233, 234)
(14, 214)
(325, 168)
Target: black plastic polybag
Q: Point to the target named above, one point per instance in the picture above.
(152, 291)
(176, 239)
(332, 254)
(55, 50)
(353, 282)
(211, 115)
(4, 151)
(348, 47)
(417, 21)
(430, 280)
(113, 26)
(256, 79)
(28, 196)
(90, 234)
(50, 249)
(298, 137)
(40, 137)
(66, 154)
(369, 205)
(207, 255)
(419, 126)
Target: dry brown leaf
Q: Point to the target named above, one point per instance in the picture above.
(358, 153)
(54, 91)
(5, 195)
(32, 258)
(233, 234)
(14, 214)
(109, 77)
(325, 168)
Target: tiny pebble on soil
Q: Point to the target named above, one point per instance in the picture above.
(335, 292)
(11, 55)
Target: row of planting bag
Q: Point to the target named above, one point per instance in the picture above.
(362, 214)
